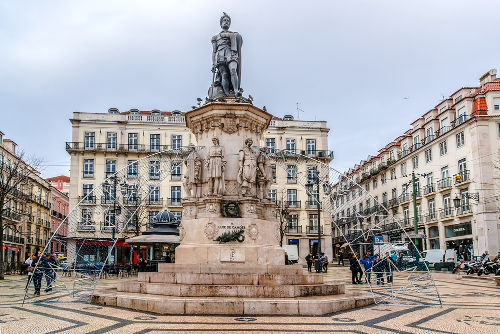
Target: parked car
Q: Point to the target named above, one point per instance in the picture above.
(293, 253)
(433, 256)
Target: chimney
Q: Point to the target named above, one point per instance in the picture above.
(488, 76)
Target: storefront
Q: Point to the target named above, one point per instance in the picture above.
(459, 238)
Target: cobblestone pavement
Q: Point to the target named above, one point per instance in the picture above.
(469, 306)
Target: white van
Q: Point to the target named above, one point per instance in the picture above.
(293, 253)
(438, 255)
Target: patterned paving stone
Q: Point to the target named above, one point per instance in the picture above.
(469, 306)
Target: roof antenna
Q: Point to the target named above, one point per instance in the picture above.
(298, 110)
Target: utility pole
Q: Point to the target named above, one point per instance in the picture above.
(415, 212)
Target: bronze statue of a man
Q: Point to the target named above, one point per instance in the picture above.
(226, 60)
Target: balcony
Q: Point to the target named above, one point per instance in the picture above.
(464, 209)
(112, 147)
(404, 197)
(444, 183)
(107, 200)
(418, 192)
(176, 177)
(131, 201)
(312, 205)
(11, 214)
(86, 199)
(430, 216)
(155, 201)
(446, 213)
(175, 202)
(461, 119)
(393, 202)
(86, 226)
(154, 176)
(429, 189)
(291, 179)
(107, 227)
(313, 229)
(294, 229)
(292, 204)
(461, 177)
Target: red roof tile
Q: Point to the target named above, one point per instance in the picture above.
(480, 107)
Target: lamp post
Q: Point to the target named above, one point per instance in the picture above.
(318, 206)
(415, 213)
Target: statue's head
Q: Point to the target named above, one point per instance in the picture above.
(215, 140)
(225, 21)
(248, 142)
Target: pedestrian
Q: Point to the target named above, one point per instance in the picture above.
(379, 269)
(49, 264)
(29, 269)
(168, 259)
(389, 265)
(341, 257)
(309, 261)
(367, 262)
(324, 262)
(394, 256)
(355, 269)
(317, 263)
(37, 273)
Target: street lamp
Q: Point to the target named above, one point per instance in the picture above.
(315, 180)
(456, 202)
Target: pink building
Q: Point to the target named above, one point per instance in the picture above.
(59, 211)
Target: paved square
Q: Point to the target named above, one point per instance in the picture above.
(469, 306)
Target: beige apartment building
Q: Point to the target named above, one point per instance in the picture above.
(27, 209)
(103, 143)
(453, 150)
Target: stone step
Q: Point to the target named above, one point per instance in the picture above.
(229, 279)
(257, 291)
(233, 268)
(231, 306)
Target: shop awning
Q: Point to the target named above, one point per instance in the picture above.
(12, 248)
(154, 239)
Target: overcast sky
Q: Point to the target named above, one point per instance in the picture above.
(351, 63)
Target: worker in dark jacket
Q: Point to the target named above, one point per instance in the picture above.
(356, 271)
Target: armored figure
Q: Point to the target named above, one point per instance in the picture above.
(264, 174)
(247, 173)
(192, 179)
(215, 164)
(226, 60)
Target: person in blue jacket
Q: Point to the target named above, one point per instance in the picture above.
(367, 262)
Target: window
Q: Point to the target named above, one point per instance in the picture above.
(375, 183)
(131, 194)
(273, 195)
(292, 198)
(89, 140)
(132, 141)
(273, 167)
(462, 166)
(445, 180)
(154, 170)
(461, 115)
(175, 195)
(176, 170)
(416, 142)
(460, 139)
(176, 142)
(86, 216)
(443, 148)
(429, 133)
(428, 155)
(445, 125)
(414, 162)
(291, 174)
(313, 223)
(154, 195)
(496, 103)
(88, 167)
(111, 140)
(405, 149)
(293, 223)
(447, 205)
(393, 173)
(391, 155)
(406, 215)
(432, 210)
(311, 147)
(154, 142)
(109, 193)
(290, 145)
(384, 198)
(87, 189)
(271, 144)
(132, 167)
(312, 172)
(109, 219)
(403, 169)
(394, 193)
(110, 167)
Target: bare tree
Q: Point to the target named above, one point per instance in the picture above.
(284, 217)
(15, 173)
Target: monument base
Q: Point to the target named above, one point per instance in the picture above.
(231, 289)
